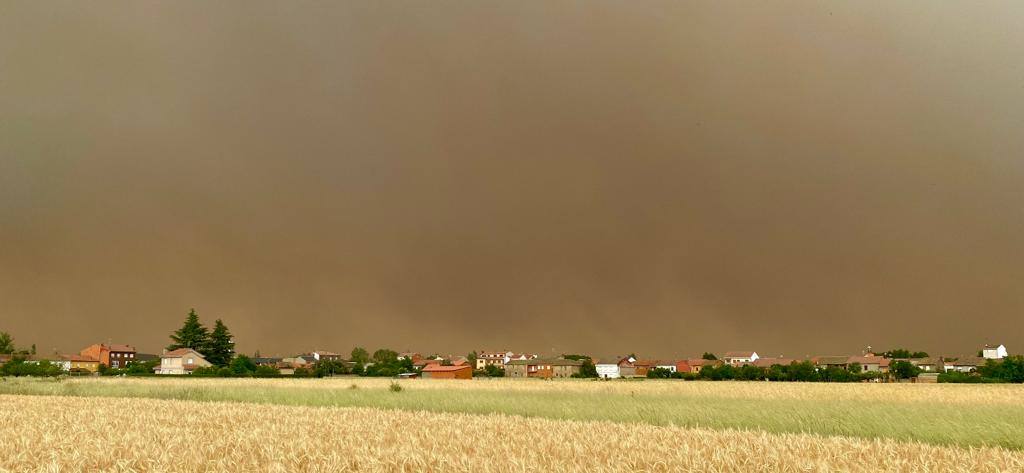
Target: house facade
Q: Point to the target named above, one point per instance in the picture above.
(697, 364)
(320, 355)
(542, 368)
(965, 364)
(825, 362)
(672, 366)
(737, 358)
(492, 358)
(611, 368)
(641, 367)
(994, 352)
(114, 355)
(77, 363)
(870, 363)
(929, 365)
(181, 361)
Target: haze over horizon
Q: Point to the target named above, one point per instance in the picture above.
(660, 177)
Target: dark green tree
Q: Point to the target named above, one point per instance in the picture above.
(587, 369)
(569, 356)
(709, 356)
(360, 355)
(904, 369)
(802, 371)
(220, 348)
(904, 353)
(264, 371)
(242, 366)
(384, 356)
(494, 371)
(6, 343)
(659, 373)
(327, 368)
(191, 335)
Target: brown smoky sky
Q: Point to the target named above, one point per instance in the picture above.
(659, 177)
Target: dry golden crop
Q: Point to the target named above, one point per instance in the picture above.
(55, 433)
(969, 394)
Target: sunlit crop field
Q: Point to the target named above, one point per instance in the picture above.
(938, 414)
(57, 433)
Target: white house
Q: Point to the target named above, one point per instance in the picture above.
(965, 364)
(667, 365)
(994, 352)
(496, 358)
(611, 368)
(737, 358)
(181, 361)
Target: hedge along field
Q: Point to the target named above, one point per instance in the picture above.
(127, 435)
(960, 415)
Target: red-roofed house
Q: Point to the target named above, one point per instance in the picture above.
(871, 362)
(114, 355)
(737, 358)
(76, 363)
(698, 364)
(437, 371)
(496, 358)
(181, 361)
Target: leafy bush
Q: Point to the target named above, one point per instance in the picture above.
(20, 367)
(659, 373)
(267, 372)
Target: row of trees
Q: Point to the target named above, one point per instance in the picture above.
(802, 371)
(7, 346)
(1007, 370)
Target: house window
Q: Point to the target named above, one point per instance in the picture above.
(191, 361)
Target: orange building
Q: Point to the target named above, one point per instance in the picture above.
(448, 372)
(114, 356)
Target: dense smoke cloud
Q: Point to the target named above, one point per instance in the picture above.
(599, 177)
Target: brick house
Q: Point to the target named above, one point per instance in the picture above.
(542, 368)
(697, 364)
(114, 355)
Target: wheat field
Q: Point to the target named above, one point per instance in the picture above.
(938, 414)
(56, 433)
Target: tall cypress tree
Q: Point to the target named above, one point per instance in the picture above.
(191, 335)
(221, 348)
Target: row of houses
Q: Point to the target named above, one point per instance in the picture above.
(515, 365)
(630, 366)
(89, 359)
